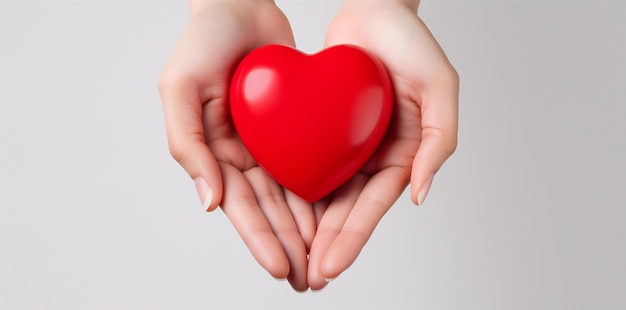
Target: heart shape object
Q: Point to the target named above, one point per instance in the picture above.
(311, 121)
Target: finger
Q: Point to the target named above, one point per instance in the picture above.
(378, 195)
(272, 203)
(185, 134)
(241, 207)
(439, 110)
(304, 216)
(319, 208)
(330, 225)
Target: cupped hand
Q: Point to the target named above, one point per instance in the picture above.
(276, 225)
(421, 136)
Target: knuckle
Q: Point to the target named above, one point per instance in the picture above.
(451, 75)
(447, 142)
(451, 146)
(454, 74)
(177, 150)
(287, 233)
(171, 80)
(164, 81)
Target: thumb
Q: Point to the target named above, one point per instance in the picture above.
(182, 108)
(439, 109)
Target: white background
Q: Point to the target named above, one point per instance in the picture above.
(530, 213)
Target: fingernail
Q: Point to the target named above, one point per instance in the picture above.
(330, 279)
(318, 291)
(421, 196)
(204, 192)
(280, 280)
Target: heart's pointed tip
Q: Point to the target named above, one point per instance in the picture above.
(311, 197)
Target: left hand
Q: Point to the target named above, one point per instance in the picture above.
(421, 136)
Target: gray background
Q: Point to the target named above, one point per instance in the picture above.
(530, 213)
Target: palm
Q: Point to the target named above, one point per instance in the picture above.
(413, 59)
(407, 70)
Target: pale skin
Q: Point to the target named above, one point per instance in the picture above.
(279, 228)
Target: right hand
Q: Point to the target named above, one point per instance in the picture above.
(276, 225)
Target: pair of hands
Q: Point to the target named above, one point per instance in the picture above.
(308, 244)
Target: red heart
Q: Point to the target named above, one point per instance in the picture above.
(311, 121)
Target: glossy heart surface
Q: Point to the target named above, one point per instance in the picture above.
(311, 121)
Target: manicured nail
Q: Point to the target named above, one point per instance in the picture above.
(421, 196)
(204, 192)
(280, 280)
(330, 279)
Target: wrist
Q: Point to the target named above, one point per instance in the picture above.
(198, 5)
(413, 4)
